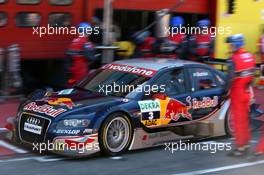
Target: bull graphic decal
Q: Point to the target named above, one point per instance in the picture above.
(67, 102)
(176, 110)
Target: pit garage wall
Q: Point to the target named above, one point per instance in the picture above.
(188, 6)
(248, 19)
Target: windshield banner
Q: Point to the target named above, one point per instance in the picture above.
(131, 69)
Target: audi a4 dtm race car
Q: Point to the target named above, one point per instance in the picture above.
(127, 105)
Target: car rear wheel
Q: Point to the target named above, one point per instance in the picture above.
(116, 134)
(228, 124)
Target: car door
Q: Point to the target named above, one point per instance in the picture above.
(206, 92)
(170, 103)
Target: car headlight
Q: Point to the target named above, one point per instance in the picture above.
(75, 123)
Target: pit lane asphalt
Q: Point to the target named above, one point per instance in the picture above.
(154, 161)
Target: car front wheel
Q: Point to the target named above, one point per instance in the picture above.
(116, 134)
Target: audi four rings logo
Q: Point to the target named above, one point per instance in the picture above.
(34, 121)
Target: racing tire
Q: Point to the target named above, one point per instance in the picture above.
(115, 134)
(254, 125)
(228, 124)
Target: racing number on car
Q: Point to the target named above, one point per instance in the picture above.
(162, 112)
(150, 111)
(151, 115)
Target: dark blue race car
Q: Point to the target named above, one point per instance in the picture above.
(127, 105)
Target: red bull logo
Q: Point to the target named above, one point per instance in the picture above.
(175, 110)
(44, 109)
(67, 102)
(206, 102)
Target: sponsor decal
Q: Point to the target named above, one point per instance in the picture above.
(32, 128)
(150, 110)
(66, 131)
(44, 109)
(172, 110)
(130, 69)
(206, 102)
(200, 74)
(34, 121)
(150, 122)
(67, 102)
(176, 110)
(163, 111)
(88, 131)
(149, 105)
(32, 125)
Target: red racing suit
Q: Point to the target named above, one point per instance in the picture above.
(181, 44)
(79, 66)
(146, 48)
(260, 145)
(244, 67)
(201, 45)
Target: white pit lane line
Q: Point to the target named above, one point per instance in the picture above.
(116, 158)
(224, 168)
(36, 158)
(12, 147)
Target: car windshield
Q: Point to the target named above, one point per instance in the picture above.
(113, 83)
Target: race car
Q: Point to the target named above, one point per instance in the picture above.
(127, 105)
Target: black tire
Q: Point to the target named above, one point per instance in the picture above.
(109, 134)
(254, 125)
(228, 126)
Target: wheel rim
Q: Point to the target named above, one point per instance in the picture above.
(117, 134)
(230, 124)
